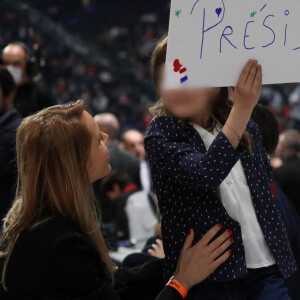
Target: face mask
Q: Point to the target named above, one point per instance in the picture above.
(16, 73)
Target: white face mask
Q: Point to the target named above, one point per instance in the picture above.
(16, 73)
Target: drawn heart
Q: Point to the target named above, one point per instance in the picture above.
(177, 65)
(218, 11)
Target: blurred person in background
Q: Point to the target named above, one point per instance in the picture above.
(152, 250)
(120, 159)
(133, 141)
(9, 121)
(30, 96)
(136, 210)
(294, 107)
(269, 128)
(288, 175)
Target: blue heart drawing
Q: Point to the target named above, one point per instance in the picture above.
(218, 11)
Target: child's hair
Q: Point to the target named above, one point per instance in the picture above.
(53, 147)
(268, 126)
(222, 105)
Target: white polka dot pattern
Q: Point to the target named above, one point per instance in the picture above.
(186, 176)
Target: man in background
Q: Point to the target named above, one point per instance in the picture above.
(135, 210)
(120, 159)
(30, 96)
(9, 122)
(133, 141)
(269, 128)
(288, 175)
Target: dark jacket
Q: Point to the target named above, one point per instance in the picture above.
(56, 261)
(292, 223)
(186, 178)
(9, 123)
(123, 161)
(288, 178)
(32, 97)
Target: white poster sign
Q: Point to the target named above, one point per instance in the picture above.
(211, 40)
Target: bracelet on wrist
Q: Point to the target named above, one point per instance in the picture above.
(177, 286)
(234, 131)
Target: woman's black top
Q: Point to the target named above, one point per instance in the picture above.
(57, 261)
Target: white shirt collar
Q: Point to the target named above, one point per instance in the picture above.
(206, 136)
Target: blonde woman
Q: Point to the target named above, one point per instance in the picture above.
(51, 244)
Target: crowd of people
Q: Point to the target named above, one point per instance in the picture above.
(127, 45)
(38, 72)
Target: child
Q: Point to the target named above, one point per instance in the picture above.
(208, 165)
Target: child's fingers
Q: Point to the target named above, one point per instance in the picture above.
(218, 241)
(244, 74)
(258, 78)
(221, 259)
(210, 234)
(189, 240)
(217, 252)
(251, 74)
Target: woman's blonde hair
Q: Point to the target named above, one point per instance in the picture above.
(222, 105)
(53, 147)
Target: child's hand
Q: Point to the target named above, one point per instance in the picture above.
(197, 262)
(249, 86)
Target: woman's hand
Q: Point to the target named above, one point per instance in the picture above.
(248, 89)
(197, 262)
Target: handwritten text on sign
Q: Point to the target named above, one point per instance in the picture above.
(211, 40)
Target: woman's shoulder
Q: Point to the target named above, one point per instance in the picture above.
(58, 258)
(54, 226)
(51, 234)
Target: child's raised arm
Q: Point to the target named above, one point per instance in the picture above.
(170, 152)
(246, 96)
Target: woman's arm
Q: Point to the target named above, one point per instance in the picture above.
(195, 264)
(73, 270)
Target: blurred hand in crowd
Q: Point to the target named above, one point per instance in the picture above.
(158, 249)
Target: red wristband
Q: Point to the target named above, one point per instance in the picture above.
(177, 286)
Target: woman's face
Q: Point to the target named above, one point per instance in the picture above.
(186, 103)
(98, 162)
